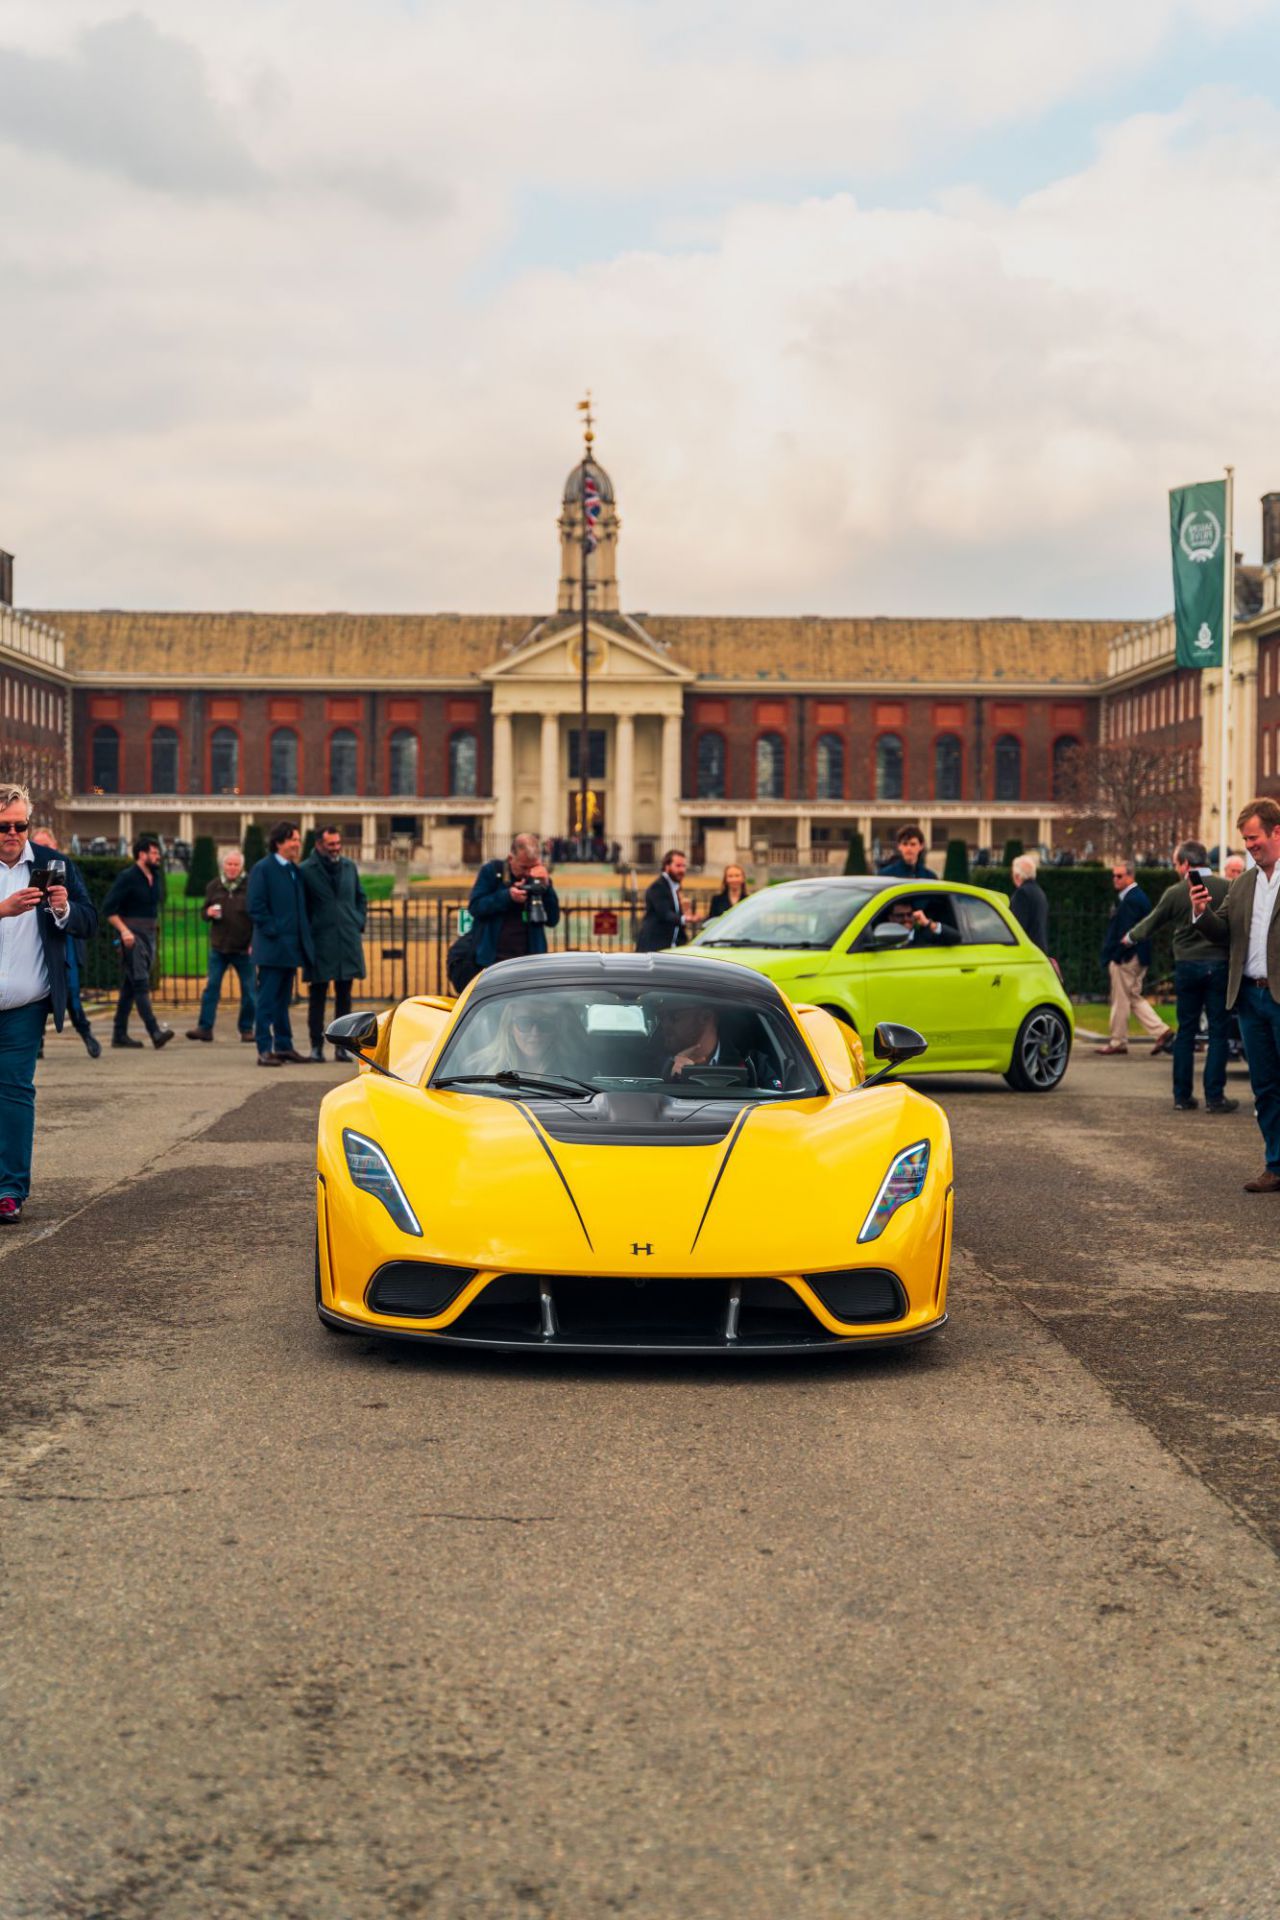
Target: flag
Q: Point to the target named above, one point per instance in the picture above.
(591, 511)
(1201, 541)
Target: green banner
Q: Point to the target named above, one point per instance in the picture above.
(1201, 549)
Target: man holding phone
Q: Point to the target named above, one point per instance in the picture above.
(1199, 980)
(1247, 924)
(39, 913)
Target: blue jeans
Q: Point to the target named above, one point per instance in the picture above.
(275, 991)
(21, 1030)
(1200, 984)
(1260, 1031)
(218, 964)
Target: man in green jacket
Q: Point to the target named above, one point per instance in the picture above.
(336, 909)
(1199, 980)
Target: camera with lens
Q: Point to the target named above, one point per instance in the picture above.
(535, 901)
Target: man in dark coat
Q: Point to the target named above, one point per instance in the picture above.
(281, 940)
(226, 908)
(1030, 903)
(1126, 963)
(510, 919)
(337, 910)
(665, 923)
(1199, 980)
(37, 920)
(909, 862)
(133, 908)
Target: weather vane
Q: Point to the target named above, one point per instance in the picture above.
(588, 425)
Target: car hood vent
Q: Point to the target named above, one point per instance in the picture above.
(648, 1119)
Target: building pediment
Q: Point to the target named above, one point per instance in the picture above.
(615, 656)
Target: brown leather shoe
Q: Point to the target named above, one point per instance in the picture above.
(268, 1060)
(1265, 1183)
(1111, 1047)
(289, 1053)
(1163, 1045)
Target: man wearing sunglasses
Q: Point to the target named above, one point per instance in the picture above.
(36, 922)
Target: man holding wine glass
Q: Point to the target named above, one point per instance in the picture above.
(41, 908)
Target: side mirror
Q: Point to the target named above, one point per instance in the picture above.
(896, 1044)
(886, 935)
(353, 1032)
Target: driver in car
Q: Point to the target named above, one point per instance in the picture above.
(924, 931)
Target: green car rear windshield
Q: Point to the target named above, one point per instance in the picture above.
(808, 915)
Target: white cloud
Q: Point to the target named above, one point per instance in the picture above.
(282, 388)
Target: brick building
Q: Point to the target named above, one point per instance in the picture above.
(761, 739)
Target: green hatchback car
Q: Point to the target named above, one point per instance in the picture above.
(950, 960)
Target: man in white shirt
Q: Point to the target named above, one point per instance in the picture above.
(36, 921)
(1248, 925)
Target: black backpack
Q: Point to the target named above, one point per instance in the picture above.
(461, 963)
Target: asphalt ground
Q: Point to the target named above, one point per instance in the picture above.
(303, 1626)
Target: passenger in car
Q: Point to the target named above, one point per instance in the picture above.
(534, 1035)
(689, 1037)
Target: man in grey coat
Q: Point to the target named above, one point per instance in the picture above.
(337, 910)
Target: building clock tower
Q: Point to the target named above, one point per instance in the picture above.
(602, 576)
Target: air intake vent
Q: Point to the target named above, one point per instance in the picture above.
(416, 1290)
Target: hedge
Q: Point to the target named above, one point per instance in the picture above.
(1080, 903)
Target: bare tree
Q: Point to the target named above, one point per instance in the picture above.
(1126, 796)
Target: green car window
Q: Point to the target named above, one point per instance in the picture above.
(810, 914)
(982, 926)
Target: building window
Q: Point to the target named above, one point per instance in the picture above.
(105, 756)
(284, 761)
(463, 764)
(343, 761)
(710, 783)
(404, 763)
(164, 760)
(1008, 767)
(769, 766)
(1065, 747)
(889, 763)
(948, 762)
(595, 754)
(224, 761)
(829, 767)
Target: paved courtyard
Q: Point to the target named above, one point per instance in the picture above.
(297, 1626)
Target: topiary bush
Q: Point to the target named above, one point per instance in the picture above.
(855, 859)
(255, 845)
(956, 864)
(203, 868)
(1013, 850)
(1080, 903)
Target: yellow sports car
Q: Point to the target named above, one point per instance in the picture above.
(635, 1152)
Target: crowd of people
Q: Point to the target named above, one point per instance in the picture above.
(292, 915)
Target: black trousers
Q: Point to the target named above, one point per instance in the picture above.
(317, 992)
(135, 984)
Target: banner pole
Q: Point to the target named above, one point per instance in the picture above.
(1228, 615)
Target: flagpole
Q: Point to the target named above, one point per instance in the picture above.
(1228, 616)
(588, 436)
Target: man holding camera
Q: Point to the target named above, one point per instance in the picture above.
(1199, 979)
(39, 913)
(513, 903)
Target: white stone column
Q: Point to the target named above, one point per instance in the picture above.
(246, 821)
(670, 783)
(1044, 830)
(125, 828)
(503, 779)
(550, 822)
(368, 837)
(744, 833)
(621, 826)
(804, 840)
(186, 827)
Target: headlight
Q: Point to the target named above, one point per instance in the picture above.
(903, 1182)
(371, 1171)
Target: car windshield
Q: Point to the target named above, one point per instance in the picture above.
(805, 916)
(566, 1043)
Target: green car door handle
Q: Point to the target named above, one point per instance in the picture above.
(968, 969)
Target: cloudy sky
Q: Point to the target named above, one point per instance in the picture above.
(910, 309)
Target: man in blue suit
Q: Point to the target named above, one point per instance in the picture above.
(281, 940)
(37, 922)
(1127, 966)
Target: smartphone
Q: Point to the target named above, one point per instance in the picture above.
(1199, 876)
(40, 879)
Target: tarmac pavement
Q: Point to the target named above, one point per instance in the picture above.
(314, 1626)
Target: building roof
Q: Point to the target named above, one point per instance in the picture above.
(383, 647)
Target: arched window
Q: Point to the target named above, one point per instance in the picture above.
(164, 760)
(829, 767)
(404, 762)
(889, 767)
(711, 765)
(463, 764)
(284, 760)
(105, 754)
(343, 759)
(1065, 747)
(1008, 767)
(948, 764)
(224, 761)
(769, 766)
